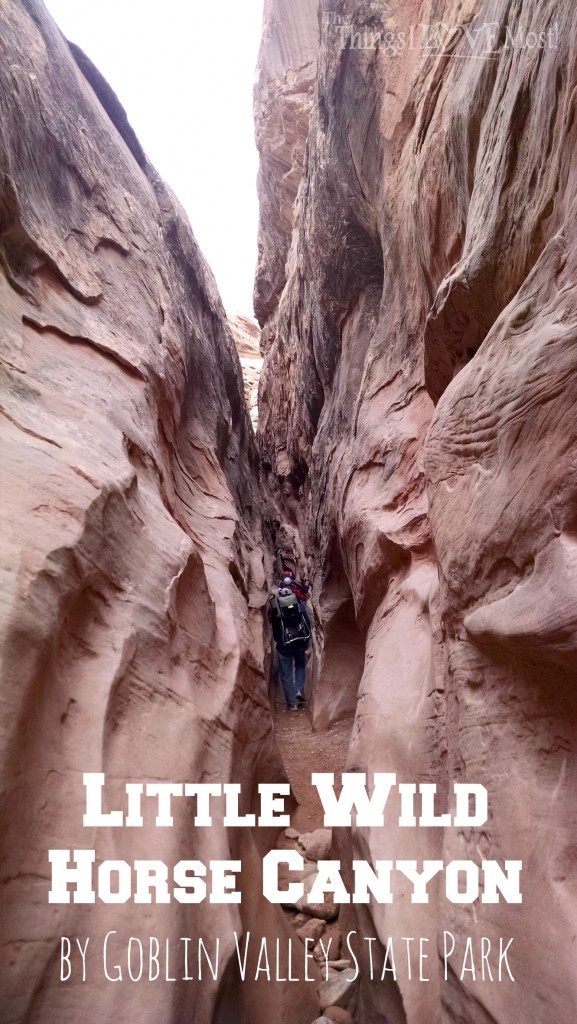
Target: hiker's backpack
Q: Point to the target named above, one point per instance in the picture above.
(293, 624)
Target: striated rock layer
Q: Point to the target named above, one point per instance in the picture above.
(246, 336)
(433, 262)
(132, 559)
(285, 75)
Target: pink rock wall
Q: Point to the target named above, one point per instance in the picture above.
(285, 75)
(132, 557)
(246, 336)
(433, 261)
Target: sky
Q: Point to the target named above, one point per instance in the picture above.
(184, 71)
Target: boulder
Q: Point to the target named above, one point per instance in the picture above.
(291, 833)
(326, 911)
(338, 1015)
(287, 875)
(320, 952)
(299, 920)
(317, 845)
(340, 990)
(313, 929)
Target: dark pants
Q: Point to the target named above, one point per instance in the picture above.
(289, 657)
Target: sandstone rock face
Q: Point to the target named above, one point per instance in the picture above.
(246, 336)
(433, 262)
(285, 76)
(132, 559)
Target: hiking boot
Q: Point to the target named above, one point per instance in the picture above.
(293, 708)
(301, 699)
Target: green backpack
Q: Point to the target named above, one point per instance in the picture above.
(293, 623)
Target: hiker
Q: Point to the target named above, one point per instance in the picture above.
(300, 589)
(291, 630)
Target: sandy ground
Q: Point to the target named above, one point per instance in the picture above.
(303, 752)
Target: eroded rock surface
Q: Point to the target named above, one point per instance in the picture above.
(283, 94)
(246, 336)
(433, 261)
(132, 559)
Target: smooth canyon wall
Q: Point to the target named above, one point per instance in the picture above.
(133, 567)
(418, 406)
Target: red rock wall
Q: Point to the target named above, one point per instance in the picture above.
(247, 341)
(423, 355)
(285, 76)
(132, 558)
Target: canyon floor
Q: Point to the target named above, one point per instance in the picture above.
(303, 752)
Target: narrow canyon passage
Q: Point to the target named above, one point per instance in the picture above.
(400, 429)
(303, 752)
(416, 292)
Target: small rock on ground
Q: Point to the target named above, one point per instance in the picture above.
(326, 911)
(288, 875)
(317, 845)
(321, 951)
(339, 991)
(313, 929)
(291, 833)
(336, 943)
(299, 920)
(337, 1015)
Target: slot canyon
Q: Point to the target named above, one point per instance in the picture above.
(401, 429)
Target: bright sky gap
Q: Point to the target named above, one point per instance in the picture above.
(184, 71)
